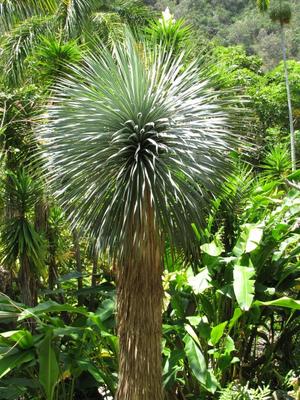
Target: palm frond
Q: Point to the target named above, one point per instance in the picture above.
(20, 42)
(109, 27)
(133, 12)
(74, 14)
(14, 11)
(135, 128)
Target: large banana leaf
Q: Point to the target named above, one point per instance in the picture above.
(243, 286)
(286, 302)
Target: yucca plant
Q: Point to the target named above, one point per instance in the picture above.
(137, 144)
(21, 244)
(52, 56)
(276, 163)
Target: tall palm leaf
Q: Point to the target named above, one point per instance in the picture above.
(138, 141)
(19, 43)
(14, 11)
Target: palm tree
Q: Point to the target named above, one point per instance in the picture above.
(22, 247)
(20, 241)
(280, 11)
(27, 22)
(139, 144)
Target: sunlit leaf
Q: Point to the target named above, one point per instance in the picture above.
(243, 286)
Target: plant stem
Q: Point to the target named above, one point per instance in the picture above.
(287, 85)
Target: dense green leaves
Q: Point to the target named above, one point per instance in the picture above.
(130, 122)
(49, 369)
(14, 360)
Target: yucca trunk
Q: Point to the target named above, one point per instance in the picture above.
(27, 282)
(139, 317)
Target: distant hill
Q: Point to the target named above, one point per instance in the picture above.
(233, 22)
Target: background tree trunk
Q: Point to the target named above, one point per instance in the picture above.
(27, 282)
(93, 302)
(76, 245)
(289, 100)
(139, 317)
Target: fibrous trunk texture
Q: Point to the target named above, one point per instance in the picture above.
(27, 282)
(139, 318)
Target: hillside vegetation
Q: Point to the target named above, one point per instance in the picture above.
(233, 22)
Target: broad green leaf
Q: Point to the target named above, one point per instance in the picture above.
(71, 275)
(50, 307)
(100, 376)
(49, 369)
(204, 330)
(217, 332)
(172, 367)
(236, 315)
(279, 231)
(249, 239)
(211, 382)
(106, 310)
(8, 315)
(286, 302)
(22, 338)
(9, 362)
(194, 320)
(192, 333)
(88, 366)
(73, 331)
(196, 359)
(214, 248)
(25, 382)
(243, 286)
(229, 345)
(292, 240)
(200, 282)
(198, 366)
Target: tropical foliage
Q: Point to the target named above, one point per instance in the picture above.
(149, 224)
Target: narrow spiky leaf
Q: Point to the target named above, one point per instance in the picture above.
(135, 127)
